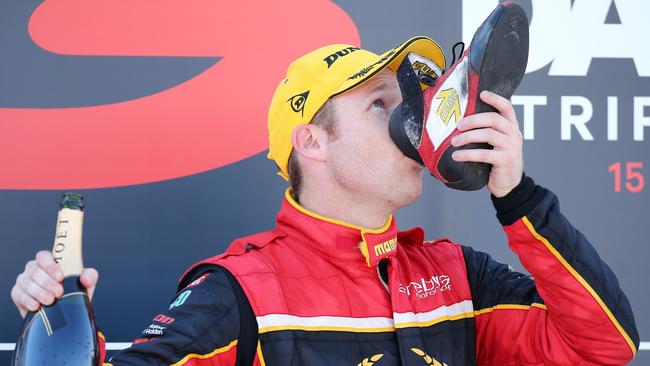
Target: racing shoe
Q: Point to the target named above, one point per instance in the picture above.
(423, 125)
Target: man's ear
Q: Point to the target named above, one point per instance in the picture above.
(308, 141)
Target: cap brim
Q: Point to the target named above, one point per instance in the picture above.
(423, 46)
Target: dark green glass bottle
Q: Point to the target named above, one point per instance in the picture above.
(63, 333)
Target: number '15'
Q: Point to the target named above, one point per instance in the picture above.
(634, 180)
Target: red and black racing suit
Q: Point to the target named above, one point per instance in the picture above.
(314, 291)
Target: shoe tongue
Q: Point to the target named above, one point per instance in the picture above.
(409, 84)
(426, 71)
(406, 122)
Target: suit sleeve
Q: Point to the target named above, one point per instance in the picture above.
(572, 310)
(201, 326)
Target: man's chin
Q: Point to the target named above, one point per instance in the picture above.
(416, 194)
(411, 195)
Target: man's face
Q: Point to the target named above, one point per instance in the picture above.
(363, 158)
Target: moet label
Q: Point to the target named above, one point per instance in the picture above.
(67, 241)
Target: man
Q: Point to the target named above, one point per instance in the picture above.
(335, 283)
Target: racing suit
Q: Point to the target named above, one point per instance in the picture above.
(316, 291)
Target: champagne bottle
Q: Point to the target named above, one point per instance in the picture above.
(63, 333)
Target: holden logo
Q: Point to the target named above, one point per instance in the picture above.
(298, 102)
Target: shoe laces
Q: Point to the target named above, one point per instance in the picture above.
(453, 52)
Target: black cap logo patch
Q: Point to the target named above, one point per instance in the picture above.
(298, 102)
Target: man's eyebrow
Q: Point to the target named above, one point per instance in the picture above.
(379, 86)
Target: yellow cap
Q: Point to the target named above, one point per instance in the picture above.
(326, 72)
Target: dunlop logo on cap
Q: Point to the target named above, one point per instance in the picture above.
(298, 102)
(335, 56)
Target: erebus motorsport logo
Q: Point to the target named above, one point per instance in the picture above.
(426, 287)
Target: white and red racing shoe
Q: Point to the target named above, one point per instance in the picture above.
(423, 125)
